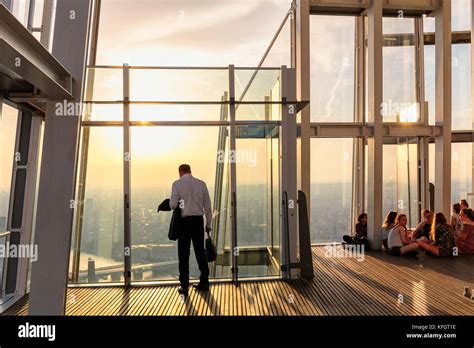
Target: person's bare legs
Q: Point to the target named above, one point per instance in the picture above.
(429, 248)
(408, 248)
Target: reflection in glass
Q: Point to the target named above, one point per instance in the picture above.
(331, 189)
(332, 68)
(258, 200)
(157, 153)
(258, 86)
(399, 102)
(400, 183)
(101, 219)
(8, 126)
(461, 84)
(461, 181)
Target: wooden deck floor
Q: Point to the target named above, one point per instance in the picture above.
(380, 285)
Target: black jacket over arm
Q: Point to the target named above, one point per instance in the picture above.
(176, 222)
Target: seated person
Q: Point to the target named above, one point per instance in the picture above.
(398, 241)
(443, 238)
(422, 231)
(388, 224)
(456, 222)
(465, 236)
(360, 232)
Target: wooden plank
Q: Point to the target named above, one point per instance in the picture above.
(342, 286)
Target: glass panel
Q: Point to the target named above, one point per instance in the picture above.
(188, 32)
(332, 68)
(462, 170)
(101, 226)
(263, 85)
(178, 85)
(331, 189)
(461, 13)
(104, 84)
(35, 207)
(103, 112)
(216, 112)
(8, 127)
(461, 93)
(156, 156)
(430, 83)
(462, 101)
(400, 178)
(21, 9)
(258, 200)
(399, 73)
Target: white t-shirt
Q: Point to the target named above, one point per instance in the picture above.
(385, 232)
(394, 237)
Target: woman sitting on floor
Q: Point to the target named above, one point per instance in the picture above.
(388, 224)
(360, 232)
(443, 236)
(465, 236)
(422, 231)
(456, 221)
(398, 240)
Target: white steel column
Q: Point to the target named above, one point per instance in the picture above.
(303, 87)
(358, 176)
(443, 109)
(423, 201)
(289, 237)
(375, 144)
(127, 217)
(49, 275)
(233, 177)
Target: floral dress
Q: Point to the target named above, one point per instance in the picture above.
(444, 240)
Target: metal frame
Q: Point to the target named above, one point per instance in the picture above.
(233, 177)
(375, 143)
(127, 157)
(38, 66)
(289, 104)
(443, 108)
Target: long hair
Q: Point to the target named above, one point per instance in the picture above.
(361, 217)
(390, 219)
(457, 208)
(399, 216)
(439, 220)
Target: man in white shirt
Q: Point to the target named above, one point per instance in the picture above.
(192, 197)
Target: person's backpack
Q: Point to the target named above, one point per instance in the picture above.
(211, 253)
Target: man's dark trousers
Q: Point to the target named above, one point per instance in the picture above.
(192, 230)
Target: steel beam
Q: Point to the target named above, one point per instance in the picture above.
(25, 58)
(357, 7)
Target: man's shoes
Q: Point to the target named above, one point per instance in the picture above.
(201, 287)
(183, 291)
